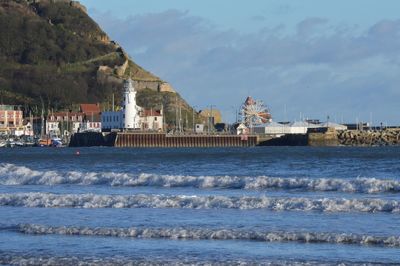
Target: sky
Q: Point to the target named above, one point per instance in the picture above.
(303, 59)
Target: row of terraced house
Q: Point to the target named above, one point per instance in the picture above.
(88, 118)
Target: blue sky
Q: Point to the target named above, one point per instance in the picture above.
(311, 58)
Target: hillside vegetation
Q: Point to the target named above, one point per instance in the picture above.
(53, 54)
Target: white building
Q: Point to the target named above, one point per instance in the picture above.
(272, 128)
(151, 120)
(199, 128)
(28, 129)
(298, 127)
(63, 123)
(88, 126)
(52, 128)
(242, 129)
(132, 116)
(334, 125)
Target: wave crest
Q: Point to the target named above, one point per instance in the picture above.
(20, 175)
(17, 259)
(216, 234)
(49, 200)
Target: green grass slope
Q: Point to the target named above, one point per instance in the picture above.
(51, 52)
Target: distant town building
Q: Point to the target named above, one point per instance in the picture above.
(88, 126)
(92, 118)
(132, 116)
(63, 123)
(90, 109)
(360, 126)
(211, 116)
(151, 119)
(111, 120)
(199, 128)
(28, 128)
(298, 127)
(241, 129)
(11, 120)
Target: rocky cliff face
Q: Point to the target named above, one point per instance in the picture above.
(53, 54)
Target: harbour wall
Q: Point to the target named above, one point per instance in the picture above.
(329, 137)
(286, 140)
(175, 141)
(387, 137)
(159, 140)
(92, 139)
(360, 138)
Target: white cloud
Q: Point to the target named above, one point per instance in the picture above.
(322, 69)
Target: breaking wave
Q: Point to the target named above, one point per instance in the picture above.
(16, 259)
(49, 200)
(19, 175)
(215, 234)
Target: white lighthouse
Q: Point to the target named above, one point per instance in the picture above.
(132, 116)
(131, 110)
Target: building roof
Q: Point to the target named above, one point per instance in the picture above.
(66, 113)
(151, 112)
(304, 124)
(89, 108)
(334, 125)
(270, 124)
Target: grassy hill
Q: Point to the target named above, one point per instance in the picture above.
(53, 54)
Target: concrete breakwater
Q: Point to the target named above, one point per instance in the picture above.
(329, 137)
(387, 137)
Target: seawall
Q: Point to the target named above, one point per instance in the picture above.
(329, 137)
(159, 140)
(387, 137)
(176, 141)
(92, 139)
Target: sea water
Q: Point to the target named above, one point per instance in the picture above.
(263, 205)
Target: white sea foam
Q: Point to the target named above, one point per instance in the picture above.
(216, 234)
(19, 175)
(15, 259)
(49, 200)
